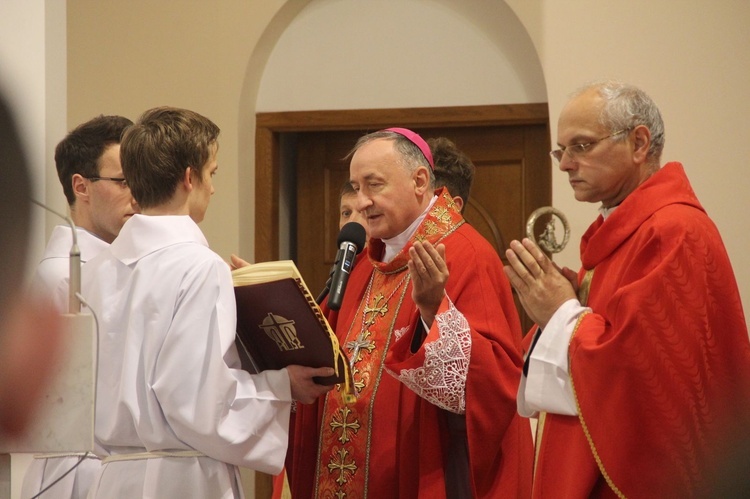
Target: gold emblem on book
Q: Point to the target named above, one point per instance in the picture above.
(282, 331)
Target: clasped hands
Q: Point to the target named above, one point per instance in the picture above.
(542, 286)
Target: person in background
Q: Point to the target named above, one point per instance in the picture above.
(88, 166)
(434, 344)
(175, 414)
(453, 169)
(638, 368)
(347, 211)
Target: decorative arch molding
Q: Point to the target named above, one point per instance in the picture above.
(490, 18)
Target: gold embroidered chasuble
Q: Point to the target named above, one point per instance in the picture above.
(384, 314)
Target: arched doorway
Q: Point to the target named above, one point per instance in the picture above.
(328, 60)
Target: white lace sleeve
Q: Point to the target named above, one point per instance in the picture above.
(442, 379)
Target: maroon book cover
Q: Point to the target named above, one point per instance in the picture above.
(279, 324)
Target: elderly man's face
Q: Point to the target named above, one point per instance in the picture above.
(607, 171)
(387, 193)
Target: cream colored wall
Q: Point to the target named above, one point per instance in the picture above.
(692, 57)
(387, 54)
(32, 76)
(126, 57)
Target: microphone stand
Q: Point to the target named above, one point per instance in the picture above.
(327, 287)
(74, 303)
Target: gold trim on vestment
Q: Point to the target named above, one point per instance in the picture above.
(583, 289)
(583, 298)
(598, 460)
(353, 467)
(538, 438)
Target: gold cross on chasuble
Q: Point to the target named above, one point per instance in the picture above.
(346, 439)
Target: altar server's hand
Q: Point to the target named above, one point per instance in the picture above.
(541, 286)
(237, 262)
(304, 388)
(429, 273)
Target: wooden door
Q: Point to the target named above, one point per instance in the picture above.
(320, 173)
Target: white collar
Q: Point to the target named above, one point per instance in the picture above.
(395, 244)
(606, 212)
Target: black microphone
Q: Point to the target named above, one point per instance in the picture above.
(351, 240)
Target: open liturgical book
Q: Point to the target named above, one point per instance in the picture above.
(280, 324)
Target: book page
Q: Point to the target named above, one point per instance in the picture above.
(265, 272)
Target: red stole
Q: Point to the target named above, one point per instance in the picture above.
(346, 452)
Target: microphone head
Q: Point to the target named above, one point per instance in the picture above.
(352, 232)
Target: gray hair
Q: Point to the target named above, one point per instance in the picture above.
(627, 106)
(411, 156)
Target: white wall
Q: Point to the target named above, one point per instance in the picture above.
(692, 57)
(33, 76)
(355, 54)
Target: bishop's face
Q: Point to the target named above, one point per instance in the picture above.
(389, 195)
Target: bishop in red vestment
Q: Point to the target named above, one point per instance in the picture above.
(435, 414)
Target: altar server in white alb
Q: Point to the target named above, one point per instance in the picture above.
(88, 166)
(175, 413)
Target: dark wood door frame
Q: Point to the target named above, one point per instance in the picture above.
(269, 126)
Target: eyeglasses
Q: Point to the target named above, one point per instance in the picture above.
(577, 150)
(123, 183)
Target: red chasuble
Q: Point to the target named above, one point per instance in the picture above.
(660, 364)
(393, 441)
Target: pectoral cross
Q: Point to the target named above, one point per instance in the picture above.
(361, 343)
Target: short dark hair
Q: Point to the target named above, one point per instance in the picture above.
(346, 188)
(453, 168)
(158, 148)
(15, 207)
(79, 152)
